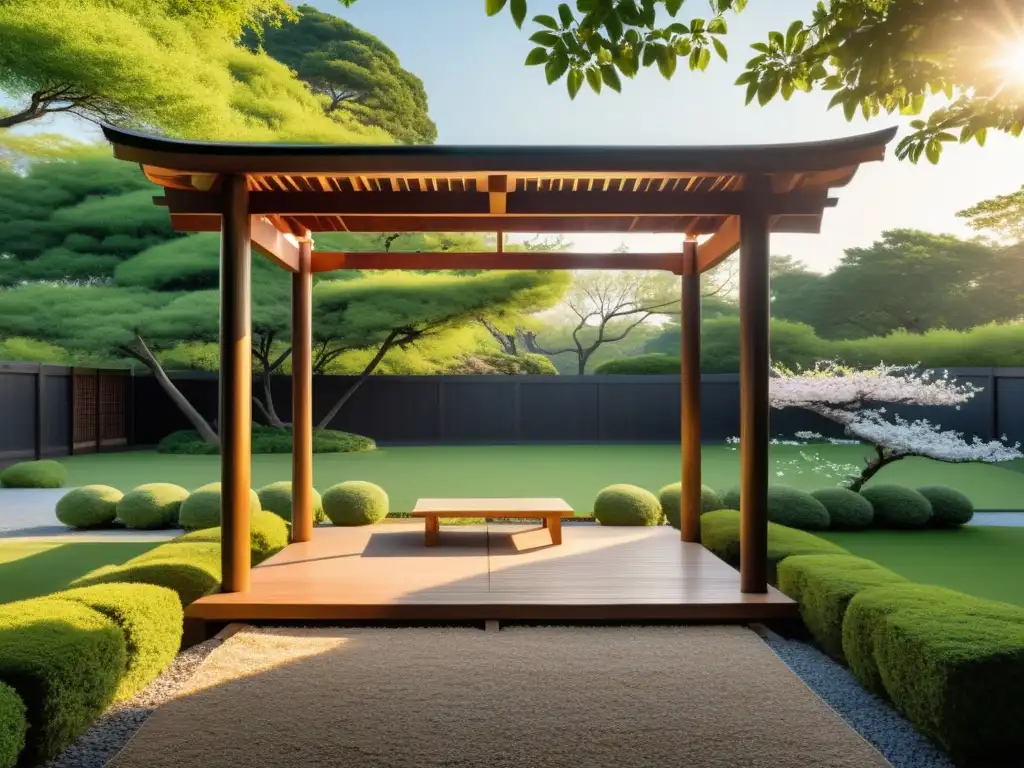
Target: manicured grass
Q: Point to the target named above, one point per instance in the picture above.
(35, 568)
(575, 473)
(983, 561)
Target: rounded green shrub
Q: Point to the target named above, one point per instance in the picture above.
(731, 498)
(34, 474)
(90, 506)
(670, 499)
(847, 510)
(268, 535)
(950, 508)
(277, 498)
(898, 507)
(151, 619)
(13, 726)
(627, 505)
(796, 509)
(65, 661)
(154, 505)
(191, 569)
(355, 502)
(268, 440)
(202, 507)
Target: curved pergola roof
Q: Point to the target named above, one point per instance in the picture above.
(534, 189)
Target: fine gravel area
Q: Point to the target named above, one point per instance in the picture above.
(108, 735)
(869, 715)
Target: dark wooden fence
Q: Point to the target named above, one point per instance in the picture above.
(55, 410)
(551, 409)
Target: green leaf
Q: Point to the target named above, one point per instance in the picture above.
(850, 107)
(667, 62)
(494, 6)
(787, 89)
(683, 46)
(704, 58)
(747, 77)
(775, 40)
(767, 89)
(673, 6)
(594, 79)
(545, 38)
(678, 29)
(720, 49)
(574, 82)
(611, 78)
(613, 24)
(536, 56)
(717, 26)
(752, 89)
(933, 151)
(838, 98)
(761, 47)
(518, 8)
(981, 135)
(556, 67)
(791, 33)
(697, 25)
(651, 53)
(546, 21)
(565, 15)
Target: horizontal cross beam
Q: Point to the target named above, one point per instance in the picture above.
(280, 247)
(326, 261)
(516, 204)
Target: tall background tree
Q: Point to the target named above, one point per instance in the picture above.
(355, 72)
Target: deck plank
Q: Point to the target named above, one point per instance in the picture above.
(493, 571)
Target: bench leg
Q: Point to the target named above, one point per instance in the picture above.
(433, 528)
(554, 526)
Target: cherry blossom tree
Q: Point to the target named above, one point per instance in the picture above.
(856, 400)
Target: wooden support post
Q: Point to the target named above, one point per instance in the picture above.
(235, 384)
(302, 395)
(689, 527)
(755, 356)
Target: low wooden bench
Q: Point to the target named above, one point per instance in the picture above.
(549, 511)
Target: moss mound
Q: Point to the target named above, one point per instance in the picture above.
(202, 507)
(355, 503)
(151, 619)
(34, 474)
(268, 440)
(150, 506)
(13, 726)
(796, 509)
(91, 506)
(720, 532)
(671, 504)
(277, 498)
(950, 508)
(268, 535)
(847, 510)
(898, 507)
(627, 505)
(65, 662)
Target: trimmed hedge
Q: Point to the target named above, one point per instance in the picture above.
(824, 586)
(847, 510)
(720, 533)
(277, 498)
(950, 508)
(202, 507)
(355, 502)
(154, 505)
(268, 440)
(91, 506)
(731, 498)
(898, 507)
(670, 498)
(13, 726)
(627, 505)
(191, 569)
(34, 474)
(65, 662)
(652, 363)
(268, 535)
(151, 619)
(952, 663)
(796, 509)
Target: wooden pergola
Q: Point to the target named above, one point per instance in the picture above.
(274, 197)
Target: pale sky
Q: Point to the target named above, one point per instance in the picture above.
(480, 93)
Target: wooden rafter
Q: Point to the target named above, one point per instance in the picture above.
(327, 261)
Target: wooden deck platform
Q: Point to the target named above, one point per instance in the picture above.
(493, 572)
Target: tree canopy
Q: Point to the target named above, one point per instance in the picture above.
(1001, 216)
(874, 56)
(355, 72)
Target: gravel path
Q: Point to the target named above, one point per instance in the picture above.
(869, 715)
(110, 733)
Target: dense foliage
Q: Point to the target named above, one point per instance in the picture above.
(45, 473)
(898, 507)
(13, 726)
(355, 502)
(153, 505)
(627, 505)
(950, 507)
(277, 498)
(267, 440)
(89, 506)
(847, 510)
(670, 498)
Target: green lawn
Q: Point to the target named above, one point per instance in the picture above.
(35, 568)
(575, 473)
(983, 561)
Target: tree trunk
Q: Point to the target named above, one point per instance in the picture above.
(389, 342)
(267, 403)
(142, 353)
(873, 467)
